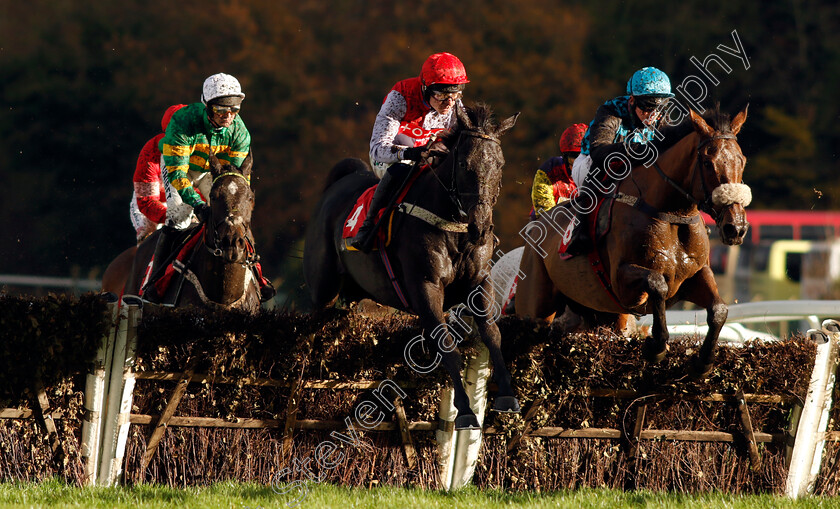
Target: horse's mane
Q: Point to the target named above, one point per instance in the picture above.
(717, 119)
(481, 116)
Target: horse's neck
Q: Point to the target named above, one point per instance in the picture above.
(677, 163)
(482, 213)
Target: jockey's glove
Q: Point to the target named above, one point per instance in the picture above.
(202, 212)
(414, 153)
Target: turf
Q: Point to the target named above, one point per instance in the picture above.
(235, 495)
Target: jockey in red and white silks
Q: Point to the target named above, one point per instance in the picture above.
(414, 110)
(405, 120)
(148, 203)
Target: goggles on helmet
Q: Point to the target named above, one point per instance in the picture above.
(444, 96)
(218, 109)
(648, 104)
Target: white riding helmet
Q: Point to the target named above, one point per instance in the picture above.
(220, 85)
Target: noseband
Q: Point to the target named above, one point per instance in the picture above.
(707, 205)
(213, 248)
(452, 190)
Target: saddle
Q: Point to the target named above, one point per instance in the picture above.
(360, 209)
(184, 252)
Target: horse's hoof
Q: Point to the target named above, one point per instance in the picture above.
(506, 405)
(653, 353)
(698, 370)
(468, 421)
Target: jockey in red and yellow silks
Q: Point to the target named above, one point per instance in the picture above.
(553, 182)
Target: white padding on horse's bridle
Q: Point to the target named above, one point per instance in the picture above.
(727, 194)
(430, 217)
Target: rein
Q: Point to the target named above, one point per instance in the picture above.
(453, 192)
(706, 205)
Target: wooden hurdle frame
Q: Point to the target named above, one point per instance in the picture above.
(110, 383)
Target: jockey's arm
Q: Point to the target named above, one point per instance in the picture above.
(385, 129)
(542, 192)
(240, 145)
(147, 182)
(177, 149)
(602, 133)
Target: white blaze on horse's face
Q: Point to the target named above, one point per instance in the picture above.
(232, 188)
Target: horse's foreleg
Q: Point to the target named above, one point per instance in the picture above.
(429, 307)
(485, 321)
(637, 280)
(701, 289)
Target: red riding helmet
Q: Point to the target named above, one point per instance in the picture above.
(572, 137)
(443, 68)
(167, 115)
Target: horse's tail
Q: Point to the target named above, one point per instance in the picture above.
(346, 167)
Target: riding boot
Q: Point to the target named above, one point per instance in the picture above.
(580, 243)
(388, 185)
(163, 249)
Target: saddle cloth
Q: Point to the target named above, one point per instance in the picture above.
(162, 284)
(360, 209)
(597, 223)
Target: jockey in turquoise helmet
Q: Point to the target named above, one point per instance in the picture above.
(628, 120)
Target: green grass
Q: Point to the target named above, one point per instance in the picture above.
(235, 495)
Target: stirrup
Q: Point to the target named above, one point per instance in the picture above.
(364, 239)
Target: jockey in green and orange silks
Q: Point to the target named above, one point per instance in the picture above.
(212, 126)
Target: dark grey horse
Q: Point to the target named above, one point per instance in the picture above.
(437, 263)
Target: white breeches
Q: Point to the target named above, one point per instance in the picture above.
(581, 168)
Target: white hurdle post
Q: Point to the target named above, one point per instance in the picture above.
(95, 390)
(120, 393)
(458, 450)
(806, 455)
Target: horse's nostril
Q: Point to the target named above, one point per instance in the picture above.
(731, 231)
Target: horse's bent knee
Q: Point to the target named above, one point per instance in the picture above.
(718, 314)
(657, 285)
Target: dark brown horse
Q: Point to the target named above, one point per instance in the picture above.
(437, 263)
(117, 272)
(219, 273)
(652, 256)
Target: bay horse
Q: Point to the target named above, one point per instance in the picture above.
(219, 272)
(436, 263)
(656, 251)
(117, 272)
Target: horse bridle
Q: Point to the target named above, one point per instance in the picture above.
(706, 205)
(214, 249)
(452, 190)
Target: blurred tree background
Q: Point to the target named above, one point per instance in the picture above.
(83, 85)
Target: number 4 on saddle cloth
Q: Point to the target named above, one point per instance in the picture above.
(360, 209)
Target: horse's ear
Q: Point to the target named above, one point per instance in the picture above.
(463, 118)
(246, 165)
(507, 123)
(215, 166)
(700, 125)
(739, 119)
